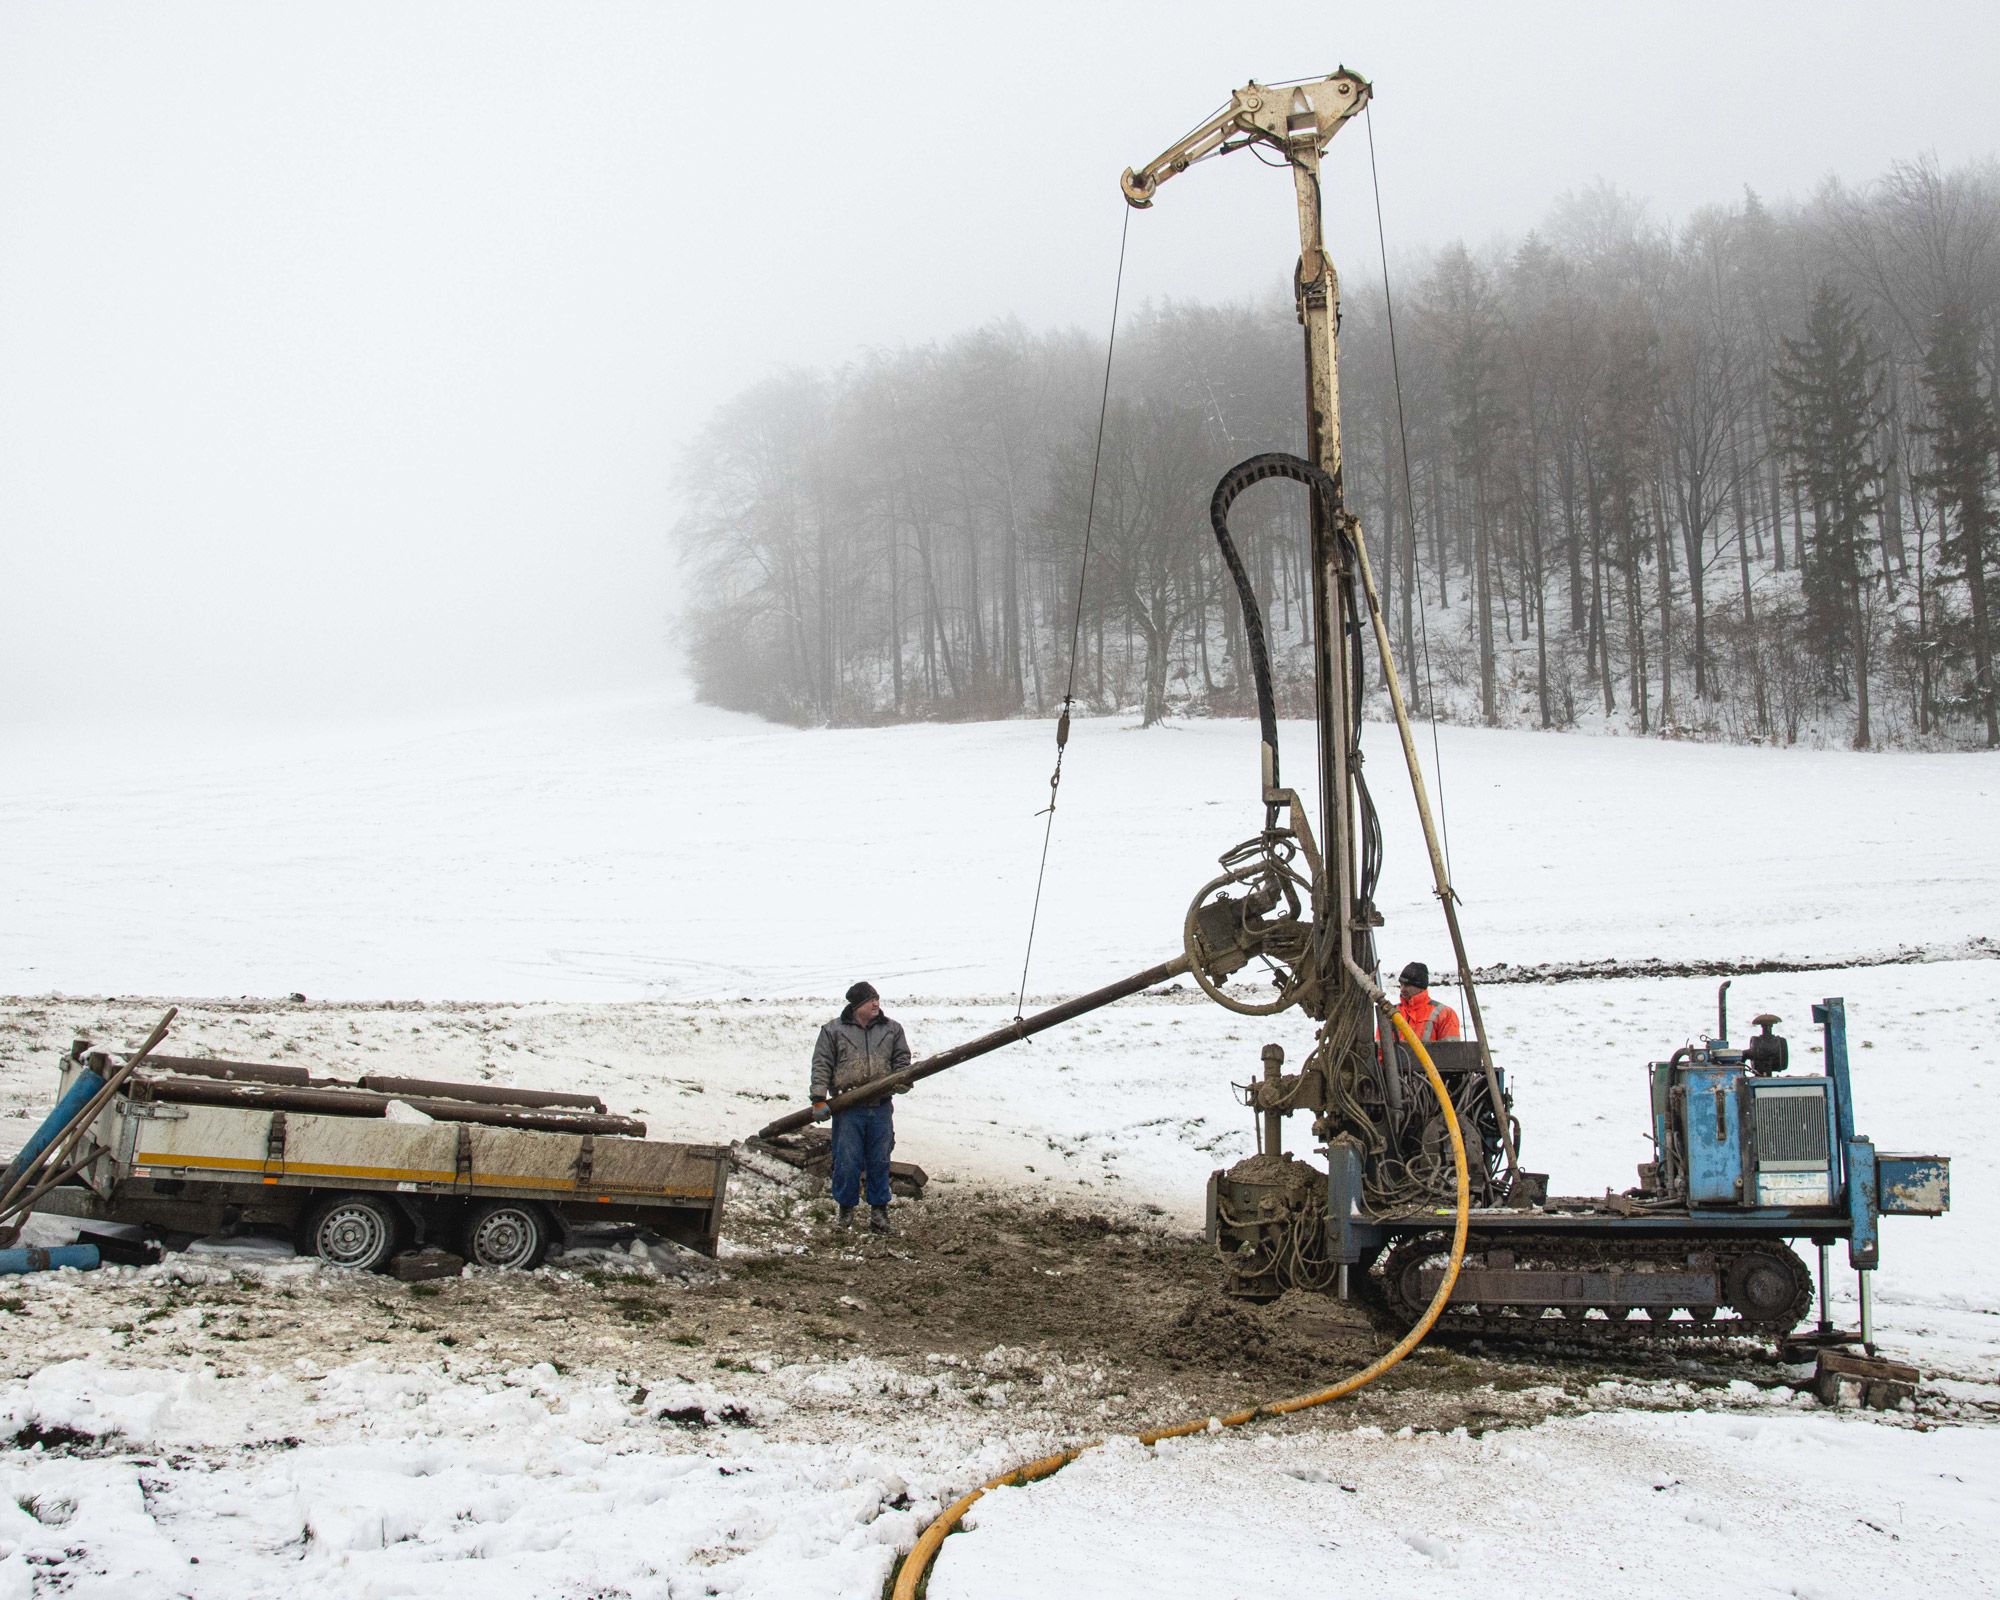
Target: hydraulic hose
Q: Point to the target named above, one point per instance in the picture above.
(911, 1576)
(1326, 491)
(1238, 478)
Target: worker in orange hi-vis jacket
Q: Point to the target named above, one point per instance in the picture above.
(1428, 1019)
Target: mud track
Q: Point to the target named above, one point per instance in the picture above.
(1118, 1313)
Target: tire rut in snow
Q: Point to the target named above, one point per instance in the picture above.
(1978, 949)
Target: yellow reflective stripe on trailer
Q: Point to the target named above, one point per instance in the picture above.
(270, 1173)
(153, 1158)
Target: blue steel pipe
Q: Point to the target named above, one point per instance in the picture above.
(28, 1258)
(80, 1092)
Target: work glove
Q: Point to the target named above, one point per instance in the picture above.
(901, 1088)
(820, 1113)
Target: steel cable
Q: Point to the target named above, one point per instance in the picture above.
(1409, 487)
(1076, 623)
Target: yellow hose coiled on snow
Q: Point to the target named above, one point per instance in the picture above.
(917, 1564)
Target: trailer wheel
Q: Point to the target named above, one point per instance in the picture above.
(507, 1233)
(353, 1230)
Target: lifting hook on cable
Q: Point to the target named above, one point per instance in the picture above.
(1062, 744)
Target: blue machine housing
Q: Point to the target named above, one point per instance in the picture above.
(1744, 1149)
(1738, 1142)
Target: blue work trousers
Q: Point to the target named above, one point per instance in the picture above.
(862, 1139)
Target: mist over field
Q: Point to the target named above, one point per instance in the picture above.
(350, 356)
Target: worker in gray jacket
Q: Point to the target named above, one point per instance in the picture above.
(856, 1048)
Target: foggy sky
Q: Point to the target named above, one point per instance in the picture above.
(346, 350)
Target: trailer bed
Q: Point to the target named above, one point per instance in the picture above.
(169, 1157)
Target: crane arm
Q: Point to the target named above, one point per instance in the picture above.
(1285, 116)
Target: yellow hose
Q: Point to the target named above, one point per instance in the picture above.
(917, 1564)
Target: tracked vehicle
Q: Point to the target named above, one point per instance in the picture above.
(1748, 1156)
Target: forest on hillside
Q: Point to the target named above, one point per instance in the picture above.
(1732, 479)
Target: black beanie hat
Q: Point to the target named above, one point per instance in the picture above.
(862, 991)
(1417, 973)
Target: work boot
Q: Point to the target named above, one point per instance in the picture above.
(845, 1221)
(878, 1220)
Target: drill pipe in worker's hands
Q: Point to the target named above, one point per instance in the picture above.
(1019, 1028)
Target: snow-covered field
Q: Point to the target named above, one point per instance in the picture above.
(655, 901)
(659, 850)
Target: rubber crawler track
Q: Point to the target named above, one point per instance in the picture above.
(1615, 1328)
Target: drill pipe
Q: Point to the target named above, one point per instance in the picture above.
(1019, 1028)
(492, 1094)
(342, 1100)
(299, 1078)
(233, 1071)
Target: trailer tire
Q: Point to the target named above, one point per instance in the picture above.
(360, 1231)
(507, 1234)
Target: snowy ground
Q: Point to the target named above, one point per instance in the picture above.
(653, 849)
(614, 883)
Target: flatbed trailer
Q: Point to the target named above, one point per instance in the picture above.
(357, 1171)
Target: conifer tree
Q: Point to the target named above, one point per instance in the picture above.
(1830, 390)
(1964, 439)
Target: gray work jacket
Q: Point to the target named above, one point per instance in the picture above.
(849, 1055)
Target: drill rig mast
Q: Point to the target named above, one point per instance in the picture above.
(1353, 1084)
(1329, 973)
(1299, 121)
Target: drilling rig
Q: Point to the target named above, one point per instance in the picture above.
(1748, 1156)
(1369, 1109)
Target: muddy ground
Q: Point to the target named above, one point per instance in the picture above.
(1123, 1304)
(1107, 1303)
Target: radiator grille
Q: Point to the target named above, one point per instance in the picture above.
(1791, 1125)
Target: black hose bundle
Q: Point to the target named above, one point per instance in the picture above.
(1281, 464)
(1273, 464)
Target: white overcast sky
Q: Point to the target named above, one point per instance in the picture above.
(346, 349)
